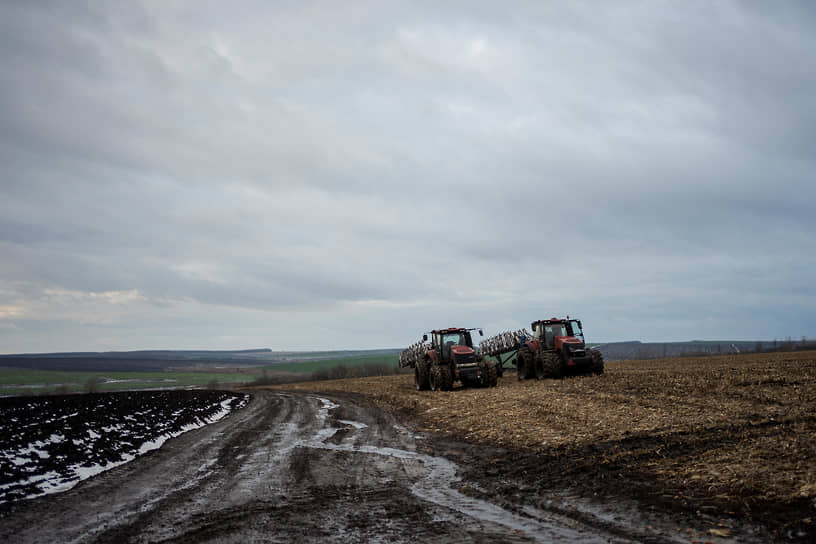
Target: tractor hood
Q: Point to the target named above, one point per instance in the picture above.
(571, 341)
(461, 350)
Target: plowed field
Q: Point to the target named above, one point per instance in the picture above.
(721, 438)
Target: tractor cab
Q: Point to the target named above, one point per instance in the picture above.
(454, 343)
(451, 342)
(453, 337)
(553, 332)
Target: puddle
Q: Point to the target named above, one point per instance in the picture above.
(436, 487)
(355, 424)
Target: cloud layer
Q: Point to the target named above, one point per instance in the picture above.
(197, 175)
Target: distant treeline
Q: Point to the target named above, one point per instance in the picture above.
(337, 372)
(88, 364)
(155, 360)
(617, 351)
(342, 371)
(129, 361)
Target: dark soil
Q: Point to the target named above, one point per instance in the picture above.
(52, 435)
(721, 443)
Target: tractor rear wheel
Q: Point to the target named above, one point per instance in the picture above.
(421, 375)
(597, 361)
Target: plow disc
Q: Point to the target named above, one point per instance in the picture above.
(503, 343)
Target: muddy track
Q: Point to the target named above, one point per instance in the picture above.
(296, 467)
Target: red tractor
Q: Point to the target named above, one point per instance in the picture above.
(554, 349)
(450, 356)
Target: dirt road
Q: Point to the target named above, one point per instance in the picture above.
(296, 467)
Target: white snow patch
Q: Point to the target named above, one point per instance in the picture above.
(18, 461)
(53, 482)
(36, 478)
(355, 424)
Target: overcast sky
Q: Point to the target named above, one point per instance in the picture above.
(350, 174)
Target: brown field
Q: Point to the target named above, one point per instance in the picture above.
(726, 435)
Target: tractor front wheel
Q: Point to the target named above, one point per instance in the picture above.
(538, 366)
(492, 374)
(441, 378)
(421, 376)
(447, 378)
(435, 379)
(550, 365)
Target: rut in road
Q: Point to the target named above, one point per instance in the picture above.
(291, 467)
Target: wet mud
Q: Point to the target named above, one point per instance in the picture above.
(297, 467)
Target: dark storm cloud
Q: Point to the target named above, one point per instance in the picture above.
(339, 176)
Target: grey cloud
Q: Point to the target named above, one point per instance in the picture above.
(391, 167)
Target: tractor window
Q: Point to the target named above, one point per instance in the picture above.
(551, 330)
(576, 329)
(558, 329)
(458, 339)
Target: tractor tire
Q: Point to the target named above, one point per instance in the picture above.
(492, 376)
(447, 378)
(421, 375)
(524, 362)
(484, 360)
(441, 378)
(550, 365)
(538, 366)
(435, 378)
(597, 362)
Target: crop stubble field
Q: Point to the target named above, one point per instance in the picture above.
(712, 436)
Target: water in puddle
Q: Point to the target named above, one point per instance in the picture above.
(436, 487)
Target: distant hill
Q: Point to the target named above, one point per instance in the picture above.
(158, 360)
(147, 360)
(150, 354)
(618, 351)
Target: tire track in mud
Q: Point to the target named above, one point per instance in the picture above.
(437, 487)
(225, 470)
(290, 468)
